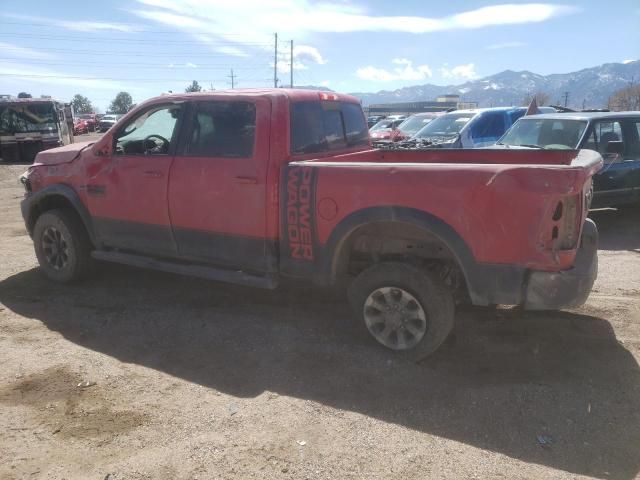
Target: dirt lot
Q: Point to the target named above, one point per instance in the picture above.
(196, 379)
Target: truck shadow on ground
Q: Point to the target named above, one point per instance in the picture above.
(505, 380)
(619, 228)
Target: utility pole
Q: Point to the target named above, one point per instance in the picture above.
(291, 82)
(233, 80)
(566, 98)
(275, 63)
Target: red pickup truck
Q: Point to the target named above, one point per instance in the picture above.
(254, 186)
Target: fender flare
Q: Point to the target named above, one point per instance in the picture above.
(29, 206)
(486, 284)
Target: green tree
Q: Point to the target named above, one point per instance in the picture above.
(194, 87)
(81, 104)
(122, 103)
(24, 95)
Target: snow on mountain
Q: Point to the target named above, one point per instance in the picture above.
(590, 86)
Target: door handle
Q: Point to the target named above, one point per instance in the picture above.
(152, 174)
(247, 180)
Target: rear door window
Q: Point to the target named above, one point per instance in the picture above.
(222, 129)
(603, 132)
(632, 139)
(323, 126)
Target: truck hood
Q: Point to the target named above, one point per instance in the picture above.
(57, 156)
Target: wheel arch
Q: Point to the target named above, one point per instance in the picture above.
(52, 197)
(340, 243)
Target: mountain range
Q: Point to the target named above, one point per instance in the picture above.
(587, 88)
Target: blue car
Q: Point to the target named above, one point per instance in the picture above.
(476, 128)
(615, 135)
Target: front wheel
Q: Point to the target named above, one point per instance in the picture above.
(62, 246)
(403, 307)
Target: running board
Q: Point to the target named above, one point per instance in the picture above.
(210, 273)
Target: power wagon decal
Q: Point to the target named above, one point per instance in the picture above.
(298, 219)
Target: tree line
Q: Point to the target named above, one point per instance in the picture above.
(122, 103)
(627, 98)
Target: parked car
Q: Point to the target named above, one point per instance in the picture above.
(383, 129)
(397, 117)
(411, 125)
(107, 122)
(615, 135)
(80, 126)
(91, 120)
(473, 128)
(373, 119)
(263, 185)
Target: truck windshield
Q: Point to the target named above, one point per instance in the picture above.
(549, 133)
(27, 117)
(446, 126)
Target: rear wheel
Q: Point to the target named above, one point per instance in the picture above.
(62, 246)
(403, 307)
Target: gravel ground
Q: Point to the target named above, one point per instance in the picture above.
(182, 379)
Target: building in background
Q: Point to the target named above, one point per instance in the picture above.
(440, 104)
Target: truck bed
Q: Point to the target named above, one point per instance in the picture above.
(578, 158)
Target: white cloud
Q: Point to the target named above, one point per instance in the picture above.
(13, 50)
(303, 56)
(500, 46)
(87, 26)
(628, 61)
(510, 14)
(308, 53)
(232, 51)
(467, 72)
(77, 25)
(183, 65)
(247, 22)
(29, 73)
(404, 71)
(325, 83)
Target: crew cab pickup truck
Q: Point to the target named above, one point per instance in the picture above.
(256, 186)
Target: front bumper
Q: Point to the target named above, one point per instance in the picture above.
(569, 288)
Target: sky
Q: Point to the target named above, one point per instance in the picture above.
(147, 47)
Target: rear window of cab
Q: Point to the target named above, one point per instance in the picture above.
(322, 126)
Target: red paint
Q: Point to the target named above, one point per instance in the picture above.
(500, 202)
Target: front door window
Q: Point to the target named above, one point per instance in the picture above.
(151, 133)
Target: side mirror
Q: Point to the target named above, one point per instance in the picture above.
(616, 147)
(103, 147)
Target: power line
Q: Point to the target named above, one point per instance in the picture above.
(65, 38)
(166, 55)
(139, 29)
(199, 66)
(69, 77)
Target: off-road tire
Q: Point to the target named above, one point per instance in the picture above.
(75, 239)
(426, 288)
